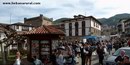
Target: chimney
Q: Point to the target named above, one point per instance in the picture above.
(25, 19)
(75, 16)
(80, 16)
(41, 17)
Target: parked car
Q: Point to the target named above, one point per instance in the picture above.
(111, 59)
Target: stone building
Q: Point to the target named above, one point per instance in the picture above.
(38, 21)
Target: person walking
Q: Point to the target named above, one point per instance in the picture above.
(100, 52)
(59, 58)
(83, 54)
(37, 61)
(18, 60)
(88, 54)
(128, 43)
(119, 59)
(53, 57)
(109, 47)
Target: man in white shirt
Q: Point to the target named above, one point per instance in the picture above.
(37, 61)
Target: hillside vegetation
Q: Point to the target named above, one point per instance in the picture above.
(109, 21)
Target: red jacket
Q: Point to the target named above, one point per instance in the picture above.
(129, 42)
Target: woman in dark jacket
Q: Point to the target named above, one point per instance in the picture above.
(83, 54)
(53, 57)
(89, 54)
(100, 52)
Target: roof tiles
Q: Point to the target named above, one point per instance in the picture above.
(45, 30)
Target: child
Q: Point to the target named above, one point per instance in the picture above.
(18, 61)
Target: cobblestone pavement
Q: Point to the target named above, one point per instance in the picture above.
(95, 58)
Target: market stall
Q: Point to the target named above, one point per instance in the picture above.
(42, 40)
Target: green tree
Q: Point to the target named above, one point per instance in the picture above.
(10, 36)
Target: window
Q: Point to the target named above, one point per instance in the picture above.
(70, 29)
(83, 27)
(98, 25)
(63, 27)
(17, 27)
(94, 24)
(24, 28)
(76, 28)
(93, 30)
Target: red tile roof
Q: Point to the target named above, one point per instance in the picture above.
(45, 29)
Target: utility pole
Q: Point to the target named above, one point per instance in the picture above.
(10, 17)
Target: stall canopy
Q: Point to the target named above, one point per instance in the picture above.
(91, 39)
(88, 37)
(45, 30)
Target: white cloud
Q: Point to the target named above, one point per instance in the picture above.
(63, 8)
(112, 7)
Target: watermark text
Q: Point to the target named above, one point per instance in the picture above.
(21, 3)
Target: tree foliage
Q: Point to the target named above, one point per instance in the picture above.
(60, 20)
(10, 35)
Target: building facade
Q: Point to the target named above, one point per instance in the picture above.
(38, 21)
(106, 30)
(127, 26)
(121, 26)
(124, 26)
(80, 26)
(21, 27)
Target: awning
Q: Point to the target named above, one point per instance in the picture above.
(90, 37)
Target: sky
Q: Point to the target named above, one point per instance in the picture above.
(13, 13)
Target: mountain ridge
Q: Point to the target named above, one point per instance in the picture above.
(113, 20)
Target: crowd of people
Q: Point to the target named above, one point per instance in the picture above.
(79, 53)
